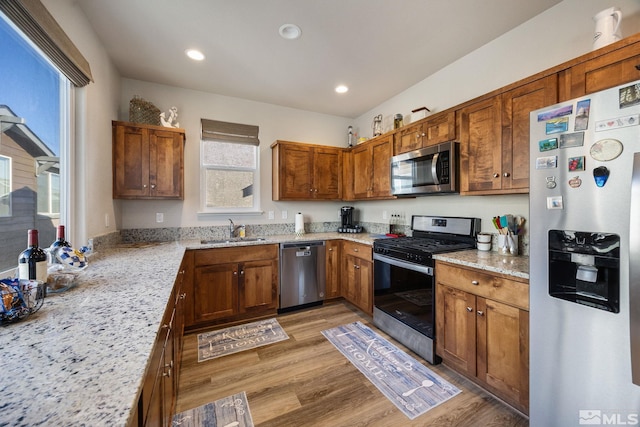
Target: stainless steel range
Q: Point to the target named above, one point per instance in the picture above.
(404, 278)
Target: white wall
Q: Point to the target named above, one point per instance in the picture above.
(96, 106)
(275, 123)
(549, 39)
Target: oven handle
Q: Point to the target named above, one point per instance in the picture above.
(402, 264)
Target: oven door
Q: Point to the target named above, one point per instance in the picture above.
(405, 291)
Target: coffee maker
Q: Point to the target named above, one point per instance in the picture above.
(347, 221)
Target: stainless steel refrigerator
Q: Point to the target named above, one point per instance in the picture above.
(585, 260)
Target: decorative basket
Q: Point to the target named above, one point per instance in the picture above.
(19, 299)
(141, 111)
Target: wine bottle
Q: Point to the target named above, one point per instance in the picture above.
(60, 242)
(32, 262)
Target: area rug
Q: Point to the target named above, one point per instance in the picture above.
(239, 338)
(232, 411)
(407, 383)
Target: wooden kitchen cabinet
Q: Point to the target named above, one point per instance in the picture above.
(482, 329)
(333, 258)
(437, 128)
(610, 66)
(494, 138)
(148, 161)
(357, 275)
(306, 171)
(232, 284)
(156, 403)
(372, 169)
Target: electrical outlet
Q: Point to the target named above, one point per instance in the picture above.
(159, 217)
(106, 220)
(284, 215)
(385, 214)
(271, 215)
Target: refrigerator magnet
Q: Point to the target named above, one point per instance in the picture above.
(630, 95)
(554, 114)
(575, 139)
(582, 115)
(575, 182)
(618, 122)
(548, 162)
(556, 125)
(548, 144)
(555, 202)
(576, 164)
(606, 149)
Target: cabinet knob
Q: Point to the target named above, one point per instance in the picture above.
(183, 296)
(506, 174)
(167, 373)
(475, 282)
(480, 313)
(496, 175)
(241, 272)
(356, 266)
(235, 273)
(469, 309)
(153, 186)
(330, 249)
(144, 185)
(355, 249)
(638, 67)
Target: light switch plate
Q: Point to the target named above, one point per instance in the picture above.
(284, 215)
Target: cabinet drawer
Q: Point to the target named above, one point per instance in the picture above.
(489, 285)
(358, 250)
(235, 254)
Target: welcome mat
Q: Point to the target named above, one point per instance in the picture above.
(239, 338)
(230, 411)
(410, 385)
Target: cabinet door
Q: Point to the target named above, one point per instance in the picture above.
(408, 139)
(456, 328)
(333, 268)
(503, 349)
(295, 172)
(130, 161)
(361, 171)
(349, 278)
(215, 291)
(381, 168)
(166, 163)
(258, 286)
(364, 285)
(327, 173)
(480, 150)
(439, 128)
(516, 106)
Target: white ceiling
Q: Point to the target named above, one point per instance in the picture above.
(376, 47)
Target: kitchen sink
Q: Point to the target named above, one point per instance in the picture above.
(233, 240)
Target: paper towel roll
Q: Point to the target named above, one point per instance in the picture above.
(299, 223)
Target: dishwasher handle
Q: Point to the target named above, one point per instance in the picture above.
(301, 245)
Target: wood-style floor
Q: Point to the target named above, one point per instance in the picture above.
(305, 381)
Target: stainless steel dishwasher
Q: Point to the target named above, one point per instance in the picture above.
(302, 274)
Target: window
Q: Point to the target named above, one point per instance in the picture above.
(34, 113)
(5, 186)
(229, 168)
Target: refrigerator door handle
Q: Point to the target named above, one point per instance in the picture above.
(634, 270)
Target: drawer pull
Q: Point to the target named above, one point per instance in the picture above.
(469, 309)
(496, 175)
(480, 313)
(475, 282)
(638, 67)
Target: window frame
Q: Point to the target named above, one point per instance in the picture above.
(9, 194)
(207, 210)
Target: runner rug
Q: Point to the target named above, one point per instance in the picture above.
(410, 385)
(239, 338)
(232, 411)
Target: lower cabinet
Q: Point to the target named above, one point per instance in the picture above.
(482, 329)
(357, 275)
(333, 257)
(156, 404)
(232, 283)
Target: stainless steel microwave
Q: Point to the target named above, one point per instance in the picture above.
(429, 170)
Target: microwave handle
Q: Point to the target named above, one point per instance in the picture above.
(434, 169)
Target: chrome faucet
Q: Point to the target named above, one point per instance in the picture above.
(232, 229)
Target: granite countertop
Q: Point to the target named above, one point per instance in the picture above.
(364, 238)
(80, 360)
(517, 266)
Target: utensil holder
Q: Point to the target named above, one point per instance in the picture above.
(508, 244)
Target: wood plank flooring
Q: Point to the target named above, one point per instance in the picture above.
(305, 381)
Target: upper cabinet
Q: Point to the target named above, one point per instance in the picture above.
(148, 161)
(605, 68)
(306, 171)
(371, 168)
(494, 138)
(440, 127)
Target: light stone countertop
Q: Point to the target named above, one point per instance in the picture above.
(517, 266)
(81, 359)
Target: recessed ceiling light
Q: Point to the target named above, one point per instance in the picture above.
(194, 54)
(341, 89)
(290, 31)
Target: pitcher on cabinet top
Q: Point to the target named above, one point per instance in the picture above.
(608, 27)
